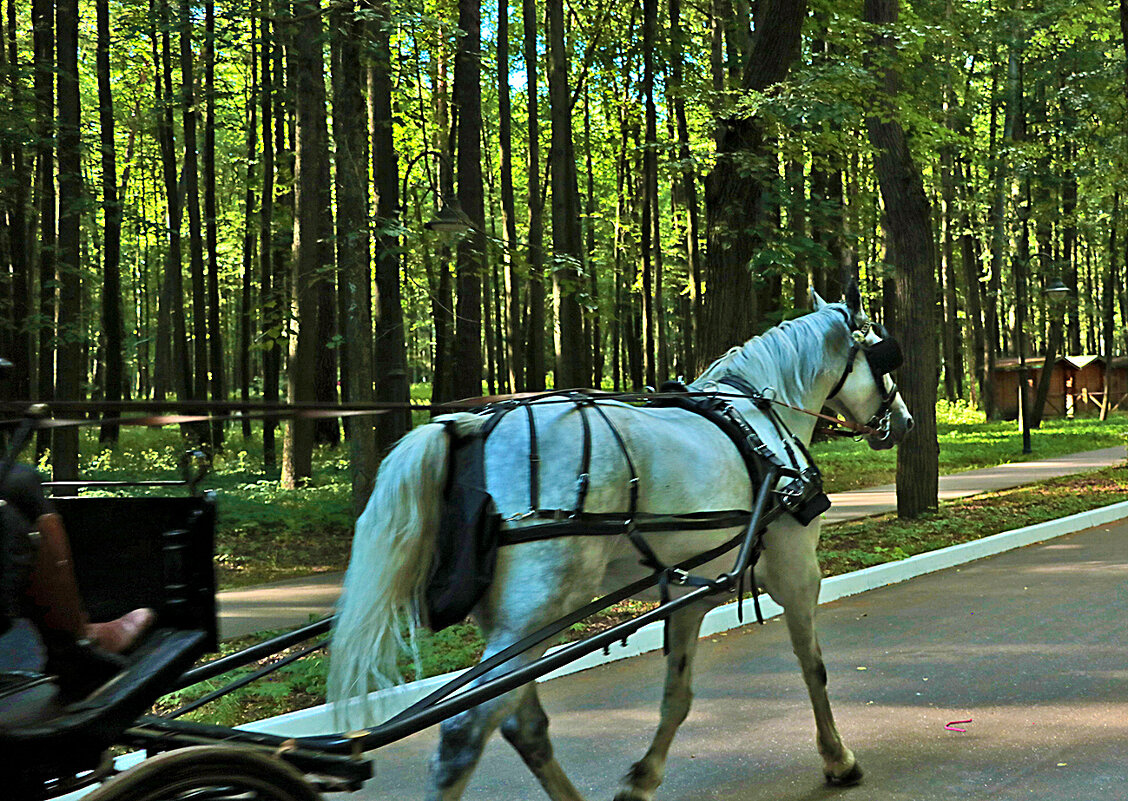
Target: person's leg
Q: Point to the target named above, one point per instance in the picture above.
(53, 591)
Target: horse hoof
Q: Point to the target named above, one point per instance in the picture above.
(847, 779)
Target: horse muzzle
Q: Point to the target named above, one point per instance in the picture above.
(891, 429)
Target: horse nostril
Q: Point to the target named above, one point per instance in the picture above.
(909, 425)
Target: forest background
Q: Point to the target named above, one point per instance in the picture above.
(245, 200)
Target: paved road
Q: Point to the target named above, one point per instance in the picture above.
(289, 603)
(1031, 645)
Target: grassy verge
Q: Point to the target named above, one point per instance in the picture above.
(844, 547)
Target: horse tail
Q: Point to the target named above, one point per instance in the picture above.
(378, 614)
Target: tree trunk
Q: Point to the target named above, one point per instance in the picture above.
(733, 192)
(353, 265)
(652, 313)
(515, 343)
(20, 242)
(308, 84)
(572, 363)
(535, 372)
(218, 374)
(969, 261)
(270, 298)
(909, 229)
(246, 298)
(471, 249)
(949, 321)
(111, 248)
(199, 385)
(392, 381)
(689, 189)
(1108, 289)
(43, 22)
(70, 370)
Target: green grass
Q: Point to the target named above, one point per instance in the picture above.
(967, 441)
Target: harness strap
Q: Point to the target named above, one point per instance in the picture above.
(534, 460)
(583, 481)
(633, 489)
(845, 373)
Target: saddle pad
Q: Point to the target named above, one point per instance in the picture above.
(466, 544)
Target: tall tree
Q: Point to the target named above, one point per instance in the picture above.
(112, 331)
(306, 73)
(392, 382)
(514, 339)
(270, 295)
(19, 242)
(246, 300)
(217, 383)
(349, 127)
(535, 373)
(652, 312)
(573, 363)
(688, 183)
(43, 27)
(908, 220)
(471, 249)
(734, 189)
(69, 369)
(198, 388)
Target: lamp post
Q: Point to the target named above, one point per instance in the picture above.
(1055, 292)
(449, 217)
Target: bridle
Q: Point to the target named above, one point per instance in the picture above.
(882, 357)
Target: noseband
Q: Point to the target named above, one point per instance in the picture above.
(883, 358)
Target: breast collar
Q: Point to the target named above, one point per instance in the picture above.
(882, 357)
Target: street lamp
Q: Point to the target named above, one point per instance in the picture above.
(449, 218)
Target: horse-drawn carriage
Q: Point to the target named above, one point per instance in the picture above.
(157, 552)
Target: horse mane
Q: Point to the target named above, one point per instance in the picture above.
(788, 357)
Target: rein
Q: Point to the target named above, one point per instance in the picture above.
(37, 411)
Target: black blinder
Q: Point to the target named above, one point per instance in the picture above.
(884, 357)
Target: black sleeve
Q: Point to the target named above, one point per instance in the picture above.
(23, 490)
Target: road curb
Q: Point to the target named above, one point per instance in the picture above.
(319, 720)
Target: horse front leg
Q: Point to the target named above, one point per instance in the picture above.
(792, 577)
(645, 775)
(839, 764)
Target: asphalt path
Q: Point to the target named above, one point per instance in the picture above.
(1030, 645)
(293, 602)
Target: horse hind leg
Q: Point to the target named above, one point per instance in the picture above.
(645, 775)
(527, 731)
(461, 740)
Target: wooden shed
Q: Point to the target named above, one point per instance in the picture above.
(1076, 385)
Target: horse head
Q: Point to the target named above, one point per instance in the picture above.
(865, 391)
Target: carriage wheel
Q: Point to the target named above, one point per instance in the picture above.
(208, 773)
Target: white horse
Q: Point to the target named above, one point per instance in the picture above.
(683, 462)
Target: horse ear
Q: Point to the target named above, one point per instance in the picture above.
(816, 300)
(854, 299)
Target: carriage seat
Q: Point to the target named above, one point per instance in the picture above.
(49, 738)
